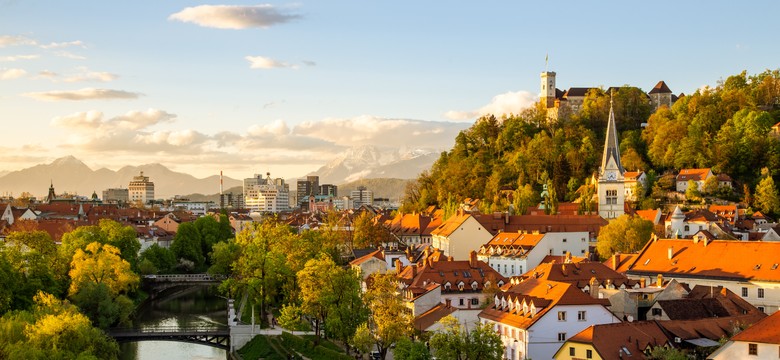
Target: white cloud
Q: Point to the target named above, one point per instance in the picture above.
(18, 57)
(133, 120)
(261, 62)
(14, 40)
(69, 55)
(234, 16)
(46, 74)
(8, 74)
(506, 103)
(85, 75)
(83, 94)
(62, 45)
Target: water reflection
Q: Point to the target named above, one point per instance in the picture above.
(197, 306)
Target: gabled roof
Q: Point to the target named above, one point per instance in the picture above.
(510, 244)
(541, 223)
(451, 224)
(693, 174)
(576, 91)
(763, 331)
(579, 274)
(660, 88)
(620, 262)
(543, 294)
(430, 317)
(717, 259)
(649, 215)
(632, 175)
(372, 255)
(610, 339)
(417, 277)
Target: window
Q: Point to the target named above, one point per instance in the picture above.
(687, 228)
(561, 316)
(561, 336)
(583, 239)
(753, 349)
(657, 312)
(744, 292)
(581, 315)
(589, 354)
(760, 293)
(572, 352)
(760, 308)
(564, 239)
(513, 269)
(460, 301)
(474, 301)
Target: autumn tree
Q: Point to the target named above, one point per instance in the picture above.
(106, 232)
(626, 234)
(34, 265)
(53, 329)
(101, 264)
(388, 319)
(692, 193)
(766, 198)
(369, 233)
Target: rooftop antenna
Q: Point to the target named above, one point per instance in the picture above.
(220, 182)
(546, 58)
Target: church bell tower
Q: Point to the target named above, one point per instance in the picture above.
(611, 183)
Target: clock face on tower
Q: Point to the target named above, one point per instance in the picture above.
(610, 175)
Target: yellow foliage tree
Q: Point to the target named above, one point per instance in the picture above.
(101, 264)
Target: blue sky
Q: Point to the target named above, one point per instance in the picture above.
(283, 87)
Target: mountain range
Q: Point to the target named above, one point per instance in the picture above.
(389, 168)
(70, 175)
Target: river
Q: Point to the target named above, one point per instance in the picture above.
(181, 307)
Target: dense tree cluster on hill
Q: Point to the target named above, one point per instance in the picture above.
(726, 128)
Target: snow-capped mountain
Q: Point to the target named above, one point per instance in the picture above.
(367, 162)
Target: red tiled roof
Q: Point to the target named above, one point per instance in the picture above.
(542, 223)
(543, 294)
(726, 259)
(418, 276)
(450, 225)
(375, 255)
(609, 339)
(649, 215)
(660, 88)
(632, 175)
(579, 274)
(692, 174)
(764, 331)
(430, 317)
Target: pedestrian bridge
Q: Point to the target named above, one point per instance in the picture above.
(216, 337)
(156, 284)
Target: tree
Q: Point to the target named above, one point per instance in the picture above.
(711, 185)
(101, 264)
(766, 198)
(455, 342)
(161, 258)
(406, 349)
(665, 353)
(625, 234)
(35, 265)
(53, 329)
(692, 193)
(388, 320)
(104, 309)
(223, 255)
(524, 197)
(187, 244)
(368, 233)
(291, 318)
(106, 232)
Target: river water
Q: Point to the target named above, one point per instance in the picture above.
(181, 307)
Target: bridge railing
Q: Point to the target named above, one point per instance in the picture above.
(184, 277)
(167, 330)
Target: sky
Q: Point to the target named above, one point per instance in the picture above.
(283, 87)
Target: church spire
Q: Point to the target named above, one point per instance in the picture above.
(611, 144)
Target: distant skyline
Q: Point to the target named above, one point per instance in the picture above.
(253, 87)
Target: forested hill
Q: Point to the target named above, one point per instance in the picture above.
(727, 128)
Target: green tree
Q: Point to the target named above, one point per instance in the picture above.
(455, 342)
(291, 318)
(105, 309)
(388, 320)
(711, 185)
(34, 265)
(766, 198)
(524, 197)
(625, 234)
(223, 256)
(666, 353)
(692, 193)
(161, 258)
(406, 349)
(106, 232)
(187, 244)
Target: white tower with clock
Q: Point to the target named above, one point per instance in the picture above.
(611, 186)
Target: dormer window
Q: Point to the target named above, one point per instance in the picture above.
(460, 286)
(474, 286)
(447, 286)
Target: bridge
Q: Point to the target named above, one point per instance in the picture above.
(156, 284)
(210, 336)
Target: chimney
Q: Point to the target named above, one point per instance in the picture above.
(696, 239)
(670, 252)
(615, 261)
(568, 257)
(473, 259)
(506, 218)
(450, 258)
(563, 270)
(398, 265)
(593, 287)
(660, 281)
(706, 241)
(642, 283)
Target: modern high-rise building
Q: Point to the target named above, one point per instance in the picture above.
(308, 186)
(329, 190)
(141, 190)
(266, 195)
(362, 196)
(116, 196)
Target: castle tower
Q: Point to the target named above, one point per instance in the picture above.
(611, 186)
(547, 93)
